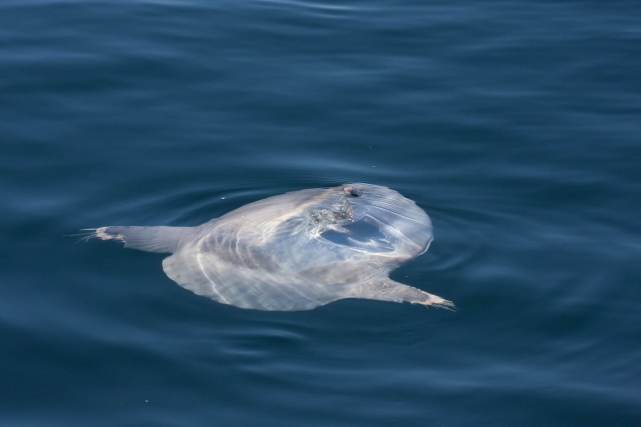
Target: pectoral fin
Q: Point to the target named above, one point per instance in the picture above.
(386, 289)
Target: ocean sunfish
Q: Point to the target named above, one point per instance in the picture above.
(296, 251)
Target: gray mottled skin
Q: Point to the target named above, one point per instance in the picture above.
(296, 251)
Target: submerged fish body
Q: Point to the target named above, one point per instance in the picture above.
(296, 251)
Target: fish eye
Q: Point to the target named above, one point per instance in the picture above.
(352, 192)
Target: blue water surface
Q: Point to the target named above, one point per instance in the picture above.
(515, 125)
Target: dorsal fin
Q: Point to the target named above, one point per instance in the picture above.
(160, 239)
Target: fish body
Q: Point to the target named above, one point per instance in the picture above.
(296, 251)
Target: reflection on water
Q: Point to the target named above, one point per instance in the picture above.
(363, 235)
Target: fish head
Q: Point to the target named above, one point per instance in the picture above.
(372, 218)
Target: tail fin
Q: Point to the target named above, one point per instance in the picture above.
(151, 239)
